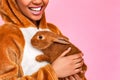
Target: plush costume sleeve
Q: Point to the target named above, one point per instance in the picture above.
(45, 73)
(11, 51)
(53, 28)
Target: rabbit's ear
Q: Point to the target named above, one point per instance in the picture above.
(61, 40)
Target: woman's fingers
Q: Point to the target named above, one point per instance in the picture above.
(77, 70)
(79, 64)
(75, 56)
(70, 64)
(78, 60)
(65, 52)
(66, 78)
(77, 77)
(71, 78)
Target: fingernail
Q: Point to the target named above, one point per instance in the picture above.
(69, 48)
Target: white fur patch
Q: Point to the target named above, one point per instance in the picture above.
(29, 64)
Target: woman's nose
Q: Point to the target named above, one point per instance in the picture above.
(37, 2)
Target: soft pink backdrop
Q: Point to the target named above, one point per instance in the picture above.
(94, 27)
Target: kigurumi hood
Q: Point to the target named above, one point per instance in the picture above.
(10, 12)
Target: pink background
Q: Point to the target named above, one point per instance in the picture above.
(94, 27)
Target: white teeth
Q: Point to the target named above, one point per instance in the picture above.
(36, 9)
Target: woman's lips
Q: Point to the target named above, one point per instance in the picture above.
(35, 10)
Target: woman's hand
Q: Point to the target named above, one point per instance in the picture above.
(67, 65)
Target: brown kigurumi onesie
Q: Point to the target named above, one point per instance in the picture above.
(52, 46)
(12, 44)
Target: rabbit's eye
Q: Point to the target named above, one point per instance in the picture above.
(40, 37)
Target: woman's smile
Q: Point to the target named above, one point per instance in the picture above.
(36, 10)
(33, 9)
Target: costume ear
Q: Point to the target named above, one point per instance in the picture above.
(61, 40)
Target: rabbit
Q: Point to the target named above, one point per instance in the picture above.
(52, 46)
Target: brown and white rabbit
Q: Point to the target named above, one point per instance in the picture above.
(52, 46)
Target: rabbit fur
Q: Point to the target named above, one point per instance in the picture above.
(52, 46)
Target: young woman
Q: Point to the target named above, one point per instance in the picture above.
(22, 19)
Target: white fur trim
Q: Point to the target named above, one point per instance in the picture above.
(29, 64)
